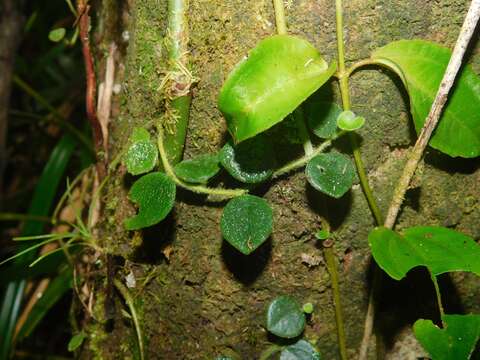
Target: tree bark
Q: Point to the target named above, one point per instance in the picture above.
(198, 297)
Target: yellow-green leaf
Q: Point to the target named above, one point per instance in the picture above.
(271, 82)
(421, 65)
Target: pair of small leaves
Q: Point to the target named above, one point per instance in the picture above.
(439, 249)
(155, 195)
(421, 65)
(332, 174)
(456, 341)
(277, 76)
(246, 223)
(142, 155)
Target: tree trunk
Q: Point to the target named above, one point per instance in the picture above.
(197, 297)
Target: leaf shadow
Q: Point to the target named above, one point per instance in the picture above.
(246, 268)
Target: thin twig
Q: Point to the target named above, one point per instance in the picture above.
(431, 122)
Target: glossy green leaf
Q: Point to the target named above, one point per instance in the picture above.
(246, 222)
(332, 174)
(142, 154)
(76, 341)
(285, 317)
(322, 118)
(421, 65)
(251, 161)
(155, 195)
(439, 249)
(199, 169)
(275, 78)
(348, 121)
(301, 350)
(456, 341)
(57, 35)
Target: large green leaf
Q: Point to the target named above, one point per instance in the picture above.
(246, 222)
(301, 350)
(285, 317)
(332, 174)
(456, 341)
(421, 65)
(275, 78)
(439, 249)
(155, 195)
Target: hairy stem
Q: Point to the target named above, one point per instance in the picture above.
(332, 269)
(199, 189)
(429, 126)
(179, 89)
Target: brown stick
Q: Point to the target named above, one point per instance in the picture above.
(416, 154)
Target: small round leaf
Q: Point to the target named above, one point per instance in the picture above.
(307, 308)
(142, 155)
(322, 118)
(251, 161)
(348, 121)
(155, 195)
(246, 222)
(285, 317)
(199, 169)
(56, 35)
(332, 174)
(301, 350)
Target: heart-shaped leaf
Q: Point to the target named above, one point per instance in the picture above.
(246, 222)
(199, 169)
(421, 65)
(285, 317)
(275, 78)
(142, 154)
(332, 174)
(301, 350)
(155, 195)
(439, 249)
(456, 341)
(322, 118)
(251, 161)
(348, 121)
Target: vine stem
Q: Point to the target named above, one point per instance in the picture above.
(416, 153)
(281, 25)
(199, 189)
(332, 269)
(439, 297)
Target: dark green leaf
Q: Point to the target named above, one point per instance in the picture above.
(275, 78)
(199, 169)
(322, 118)
(142, 154)
(76, 341)
(301, 350)
(439, 249)
(456, 341)
(41, 204)
(155, 195)
(246, 222)
(421, 65)
(348, 121)
(57, 35)
(332, 174)
(251, 161)
(285, 317)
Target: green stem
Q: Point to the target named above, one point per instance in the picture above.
(24, 217)
(133, 311)
(199, 189)
(343, 77)
(439, 297)
(332, 269)
(56, 116)
(179, 90)
(280, 21)
(295, 164)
